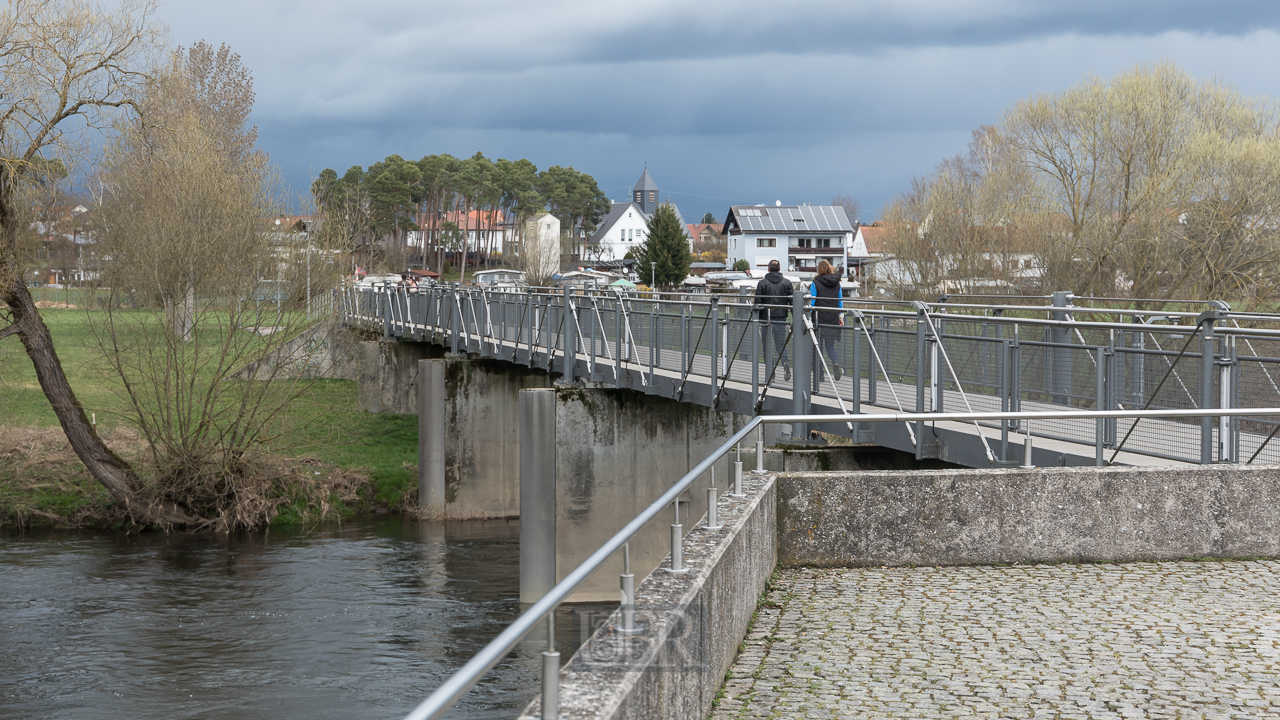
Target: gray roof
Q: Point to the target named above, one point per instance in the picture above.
(804, 218)
(618, 208)
(615, 213)
(645, 182)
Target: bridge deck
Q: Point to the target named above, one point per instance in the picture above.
(673, 356)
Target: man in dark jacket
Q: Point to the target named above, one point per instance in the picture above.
(773, 295)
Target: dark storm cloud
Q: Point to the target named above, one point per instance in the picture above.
(748, 100)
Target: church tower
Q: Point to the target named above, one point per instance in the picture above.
(645, 193)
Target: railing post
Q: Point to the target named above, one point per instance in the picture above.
(921, 349)
(1228, 379)
(551, 673)
(1099, 403)
(1026, 447)
(802, 362)
(628, 584)
(1015, 379)
(1060, 357)
(713, 520)
(677, 542)
(454, 319)
(653, 340)
(620, 339)
(760, 449)
(591, 341)
(1004, 399)
(546, 326)
(713, 313)
(570, 336)
(1112, 394)
(737, 475)
(386, 313)
(1207, 343)
(856, 371)
(871, 362)
(755, 328)
(684, 341)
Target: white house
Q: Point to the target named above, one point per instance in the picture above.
(626, 226)
(798, 237)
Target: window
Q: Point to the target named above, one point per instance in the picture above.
(639, 195)
(766, 242)
(653, 196)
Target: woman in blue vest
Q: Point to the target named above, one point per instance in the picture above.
(827, 294)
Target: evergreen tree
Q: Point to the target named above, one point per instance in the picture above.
(666, 245)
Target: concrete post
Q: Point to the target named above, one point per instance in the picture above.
(802, 361)
(537, 493)
(431, 431)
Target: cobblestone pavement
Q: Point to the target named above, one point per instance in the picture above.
(1145, 640)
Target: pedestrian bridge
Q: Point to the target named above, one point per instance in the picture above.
(960, 355)
(1083, 382)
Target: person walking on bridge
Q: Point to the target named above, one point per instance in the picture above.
(827, 294)
(773, 295)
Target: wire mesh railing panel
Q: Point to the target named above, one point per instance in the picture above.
(1038, 365)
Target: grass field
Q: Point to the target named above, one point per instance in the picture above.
(324, 424)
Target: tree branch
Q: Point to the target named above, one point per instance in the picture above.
(10, 330)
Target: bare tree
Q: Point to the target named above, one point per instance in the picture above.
(65, 67)
(1152, 184)
(185, 224)
(852, 207)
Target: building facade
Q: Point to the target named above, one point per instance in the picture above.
(626, 226)
(798, 236)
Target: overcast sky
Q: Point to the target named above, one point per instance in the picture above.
(728, 102)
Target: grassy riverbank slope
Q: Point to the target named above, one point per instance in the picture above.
(329, 458)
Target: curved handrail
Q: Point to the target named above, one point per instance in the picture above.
(469, 674)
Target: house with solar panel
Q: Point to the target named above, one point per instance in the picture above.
(625, 227)
(798, 236)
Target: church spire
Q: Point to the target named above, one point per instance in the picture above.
(645, 193)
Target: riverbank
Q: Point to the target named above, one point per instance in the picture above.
(44, 485)
(366, 462)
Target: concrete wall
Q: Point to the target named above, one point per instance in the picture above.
(953, 517)
(473, 410)
(614, 452)
(326, 350)
(693, 624)
(387, 375)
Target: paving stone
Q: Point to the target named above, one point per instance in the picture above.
(1141, 640)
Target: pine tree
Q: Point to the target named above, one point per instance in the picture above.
(666, 245)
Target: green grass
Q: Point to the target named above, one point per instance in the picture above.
(324, 423)
(332, 430)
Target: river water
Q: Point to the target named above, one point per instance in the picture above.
(355, 621)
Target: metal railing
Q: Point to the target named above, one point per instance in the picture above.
(717, 350)
(469, 674)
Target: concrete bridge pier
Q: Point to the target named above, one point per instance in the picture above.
(468, 436)
(590, 461)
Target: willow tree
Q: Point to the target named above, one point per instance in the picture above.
(67, 69)
(183, 223)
